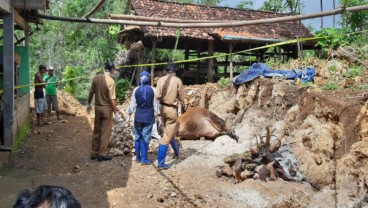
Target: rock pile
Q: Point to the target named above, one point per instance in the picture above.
(121, 139)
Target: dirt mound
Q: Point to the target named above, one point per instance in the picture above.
(319, 129)
(68, 104)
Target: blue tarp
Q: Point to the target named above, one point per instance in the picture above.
(260, 69)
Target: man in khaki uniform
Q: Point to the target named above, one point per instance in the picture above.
(103, 86)
(170, 92)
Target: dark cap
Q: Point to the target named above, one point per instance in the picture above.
(109, 66)
(42, 66)
(171, 67)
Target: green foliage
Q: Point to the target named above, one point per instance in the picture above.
(332, 68)
(122, 85)
(333, 38)
(307, 84)
(245, 5)
(355, 20)
(273, 62)
(352, 72)
(223, 82)
(283, 6)
(73, 47)
(330, 86)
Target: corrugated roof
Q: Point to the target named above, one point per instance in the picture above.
(163, 9)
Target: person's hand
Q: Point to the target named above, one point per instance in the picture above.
(116, 116)
(89, 108)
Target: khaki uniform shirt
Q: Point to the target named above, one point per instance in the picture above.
(170, 90)
(103, 86)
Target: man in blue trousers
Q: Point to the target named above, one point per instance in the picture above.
(145, 105)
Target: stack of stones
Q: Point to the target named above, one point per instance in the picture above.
(121, 139)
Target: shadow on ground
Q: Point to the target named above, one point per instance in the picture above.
(58, 154)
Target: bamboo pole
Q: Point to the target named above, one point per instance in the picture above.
(231, 61)
(208, 25)
(153, 61)
(159, 19)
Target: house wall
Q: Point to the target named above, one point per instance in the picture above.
(22, 98)
(22, 120)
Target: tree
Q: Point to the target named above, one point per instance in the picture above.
(75, 48)
(273, 5)
(283, 6)
(208, 2)
(245, 5)
(321, 3)
(356, 20)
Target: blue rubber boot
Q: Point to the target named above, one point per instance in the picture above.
(137, 147)
(174, 144)
(161, 156)
(144, 154)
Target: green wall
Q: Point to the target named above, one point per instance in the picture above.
(22, 51)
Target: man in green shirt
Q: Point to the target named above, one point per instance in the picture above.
(51, 94)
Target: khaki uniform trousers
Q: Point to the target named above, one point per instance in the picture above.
(102, 130)
(169, 115)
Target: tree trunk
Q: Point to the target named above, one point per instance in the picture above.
(321, 1)
(334, 17)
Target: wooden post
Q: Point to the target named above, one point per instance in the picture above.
(225, 68)
(210, 62)
(8, 81)
(186, 64)
(231, 61)
(153, 61)
(198, 62)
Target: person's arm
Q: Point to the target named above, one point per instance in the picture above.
(112, 95)
(181, 92)
(90, 97)
(91, 92)
(156, 105)
(158, 91)
(113, 105)
(40, 81)
(133, 103)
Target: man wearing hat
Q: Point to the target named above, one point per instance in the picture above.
(39, 95)
(145, 105)
(170, 92)
(103, 87)
(51, 94)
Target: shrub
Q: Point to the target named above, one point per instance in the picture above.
(330, 86)
(352, 72)
(122, 85)
(223, 82)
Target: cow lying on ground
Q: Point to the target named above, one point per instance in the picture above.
(199, 122)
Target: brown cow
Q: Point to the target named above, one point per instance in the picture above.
(199, 122)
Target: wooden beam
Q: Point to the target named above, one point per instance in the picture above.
(5, 6)
(30, 4)
(154, 41)
(198, 62)
(210, 61)
(8, 60)
(19, 20)
(231, 61)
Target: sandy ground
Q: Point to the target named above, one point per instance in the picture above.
(58, 154)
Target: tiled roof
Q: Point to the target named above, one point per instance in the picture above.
(164, 9)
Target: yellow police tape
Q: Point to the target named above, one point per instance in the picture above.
(195, 59)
